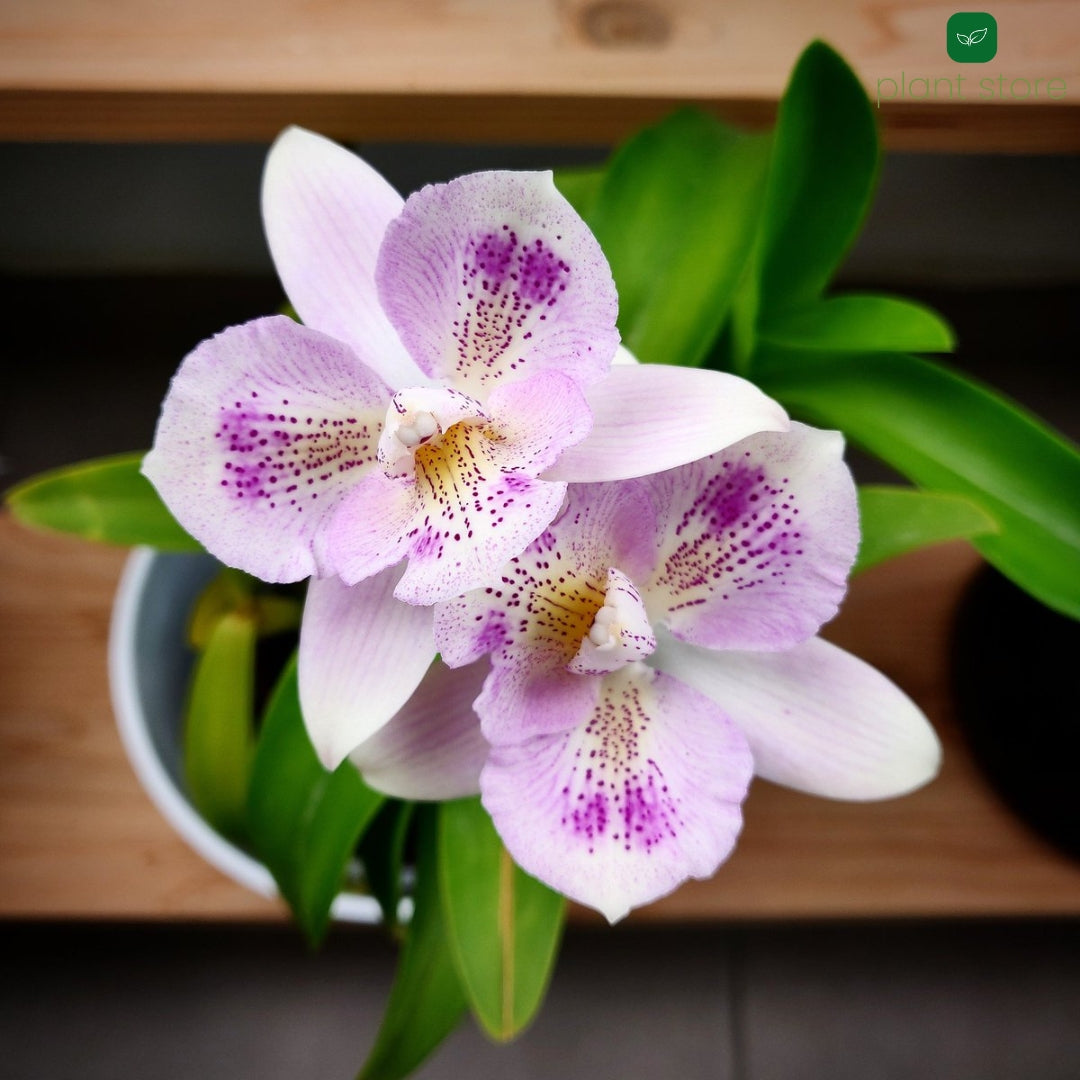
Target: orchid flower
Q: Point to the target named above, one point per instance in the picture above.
(452, 375)
(654, 648)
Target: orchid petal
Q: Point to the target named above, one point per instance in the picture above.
(325, 212)
(362, 653)
(265, 428)
(537, 610)
(759, 541)
(432, 748)
(494, 277)
(457, 524)
(644, 793)
(651, 417)
(817, 718)
(536, 419)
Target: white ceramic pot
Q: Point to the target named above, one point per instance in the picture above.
(149, 668)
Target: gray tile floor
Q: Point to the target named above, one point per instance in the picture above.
(991, 1001)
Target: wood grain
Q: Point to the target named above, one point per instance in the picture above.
(79, 838)
(528, 71)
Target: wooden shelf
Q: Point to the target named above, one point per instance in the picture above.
(79, 838)
(530, 71)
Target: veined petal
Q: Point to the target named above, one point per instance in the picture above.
(494, 277)
(264, 430)
(432, 748)
(362, 654)
(457, 522)
(540, 606)
(536, 419)
(325, 212)
(652, 417)
(757, 541)
(640, 796)
(817, 718)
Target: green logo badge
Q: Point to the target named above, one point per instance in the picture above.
(971, 37)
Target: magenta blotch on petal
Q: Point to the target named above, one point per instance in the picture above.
(642, 794)
(265, 429)
(494, 277)
(757, 541)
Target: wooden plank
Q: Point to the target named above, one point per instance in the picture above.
(79, 838)
(528, 71)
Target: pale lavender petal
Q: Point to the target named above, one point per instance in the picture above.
(536, 419)
(817, 718)
(641, 796)
(432, 748)
(651, 417)
(265, 429)
(758, 541)
(362, 654)
(372, 530)
(494, 277)
(540, 607)
(536, 698)
(325, 213)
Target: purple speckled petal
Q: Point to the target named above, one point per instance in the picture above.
(362, 653)
(539, 608)
(432, 749)
(457, 522)
(264, 430)
(758, 541)
(817, 718)
(536, 419)
(494, 277)
(325, 213)
(643, 794)
(651, 417)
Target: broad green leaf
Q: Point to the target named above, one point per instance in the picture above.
(106, 499)
(219, 727)
(580, 188)
(382, 852)
(821, 178)
(503, 925)
(948, 433)
(304, 821)
(895, 520)
(676, 216)
(860, 322)
(426, 1001)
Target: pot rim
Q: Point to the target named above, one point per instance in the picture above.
(170, 800)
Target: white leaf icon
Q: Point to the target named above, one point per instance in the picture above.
(977, 35)
(963, 39)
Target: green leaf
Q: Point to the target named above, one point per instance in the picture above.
(860, 322)
(304, 820)
(219, 726)
(948, 433)
(895, 520)
(821, 178)
(503, 925)
(580, 187)
(676, 216)
(106, 499)
(426, 1001)
(382, 852)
